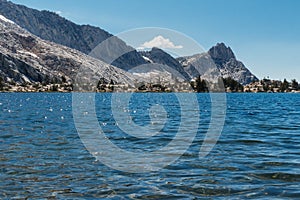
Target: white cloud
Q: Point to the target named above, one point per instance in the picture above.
(160, 42)
(58, 12)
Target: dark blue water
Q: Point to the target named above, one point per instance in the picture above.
(257, 155)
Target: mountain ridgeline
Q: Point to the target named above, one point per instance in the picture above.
(52, 27)
(27, 59)
(41, 46)
(220, 59)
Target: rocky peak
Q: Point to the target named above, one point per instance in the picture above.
(220, 58)
(221, 53)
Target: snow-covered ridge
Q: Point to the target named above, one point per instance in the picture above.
(5, 19)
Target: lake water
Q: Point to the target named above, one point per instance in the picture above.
(257, 155)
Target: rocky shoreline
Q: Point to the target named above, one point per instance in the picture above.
(197, 86)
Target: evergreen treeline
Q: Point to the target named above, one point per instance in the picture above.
(201, 85)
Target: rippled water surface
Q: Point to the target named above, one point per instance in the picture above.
(257, 155)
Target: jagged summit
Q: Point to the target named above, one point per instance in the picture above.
(221, 53)
(229, 66)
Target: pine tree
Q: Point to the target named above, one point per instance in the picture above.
(284, 86)
(1, 83)
(295, 84)
(201, 85)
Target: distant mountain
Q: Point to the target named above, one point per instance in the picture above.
(25, 58)
(229, 66)
(159, 56)
(34, 64)
(219, 59)
(52, 27)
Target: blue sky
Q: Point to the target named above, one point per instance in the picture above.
(264, 34)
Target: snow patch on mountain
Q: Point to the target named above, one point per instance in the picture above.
(5, 19)
(147, 59)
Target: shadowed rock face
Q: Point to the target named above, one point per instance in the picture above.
(52, 27)
(221, 54)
